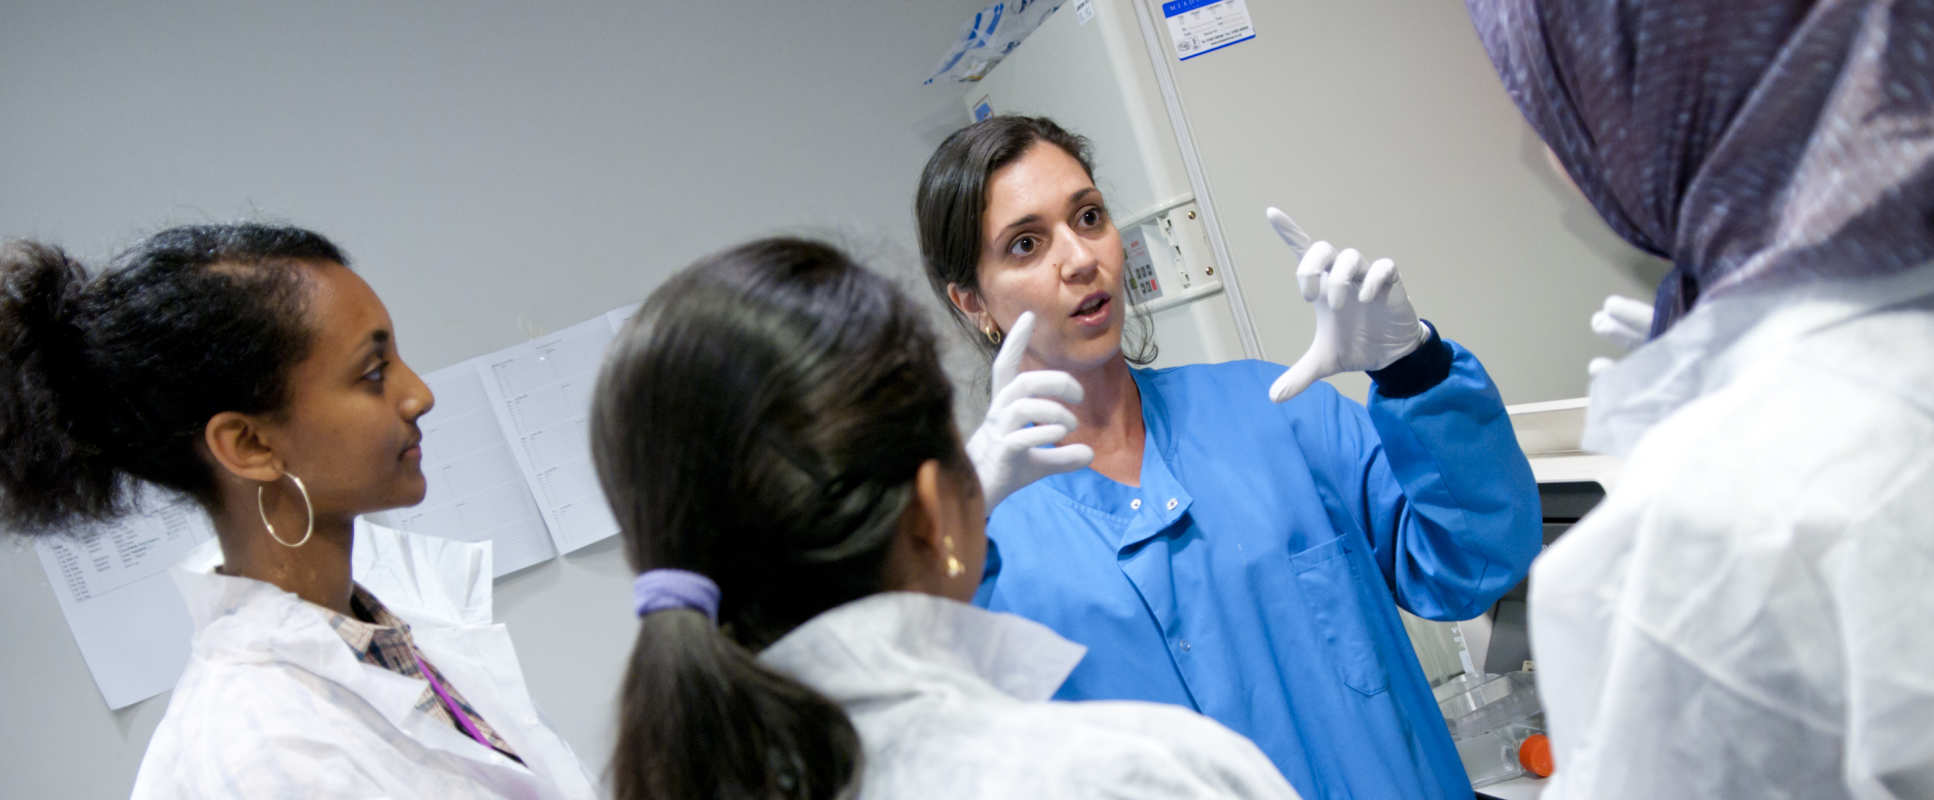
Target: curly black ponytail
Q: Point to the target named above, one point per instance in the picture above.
(49, 472)
(109, 379)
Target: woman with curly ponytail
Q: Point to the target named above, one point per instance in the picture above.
(247, 368)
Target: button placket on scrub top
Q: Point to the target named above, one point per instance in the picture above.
(1184, 644)
(1135, 504)
(1171, 504)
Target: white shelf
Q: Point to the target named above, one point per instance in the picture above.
(1576, 468)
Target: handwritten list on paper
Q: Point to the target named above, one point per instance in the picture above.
(112, 584)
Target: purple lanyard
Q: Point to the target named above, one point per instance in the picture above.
(463, 719)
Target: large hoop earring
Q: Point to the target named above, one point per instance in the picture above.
(311, 507)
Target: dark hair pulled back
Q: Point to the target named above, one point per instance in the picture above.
(950, 206)
(110, 379)
(761, 422)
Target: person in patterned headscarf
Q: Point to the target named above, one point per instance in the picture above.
(1747, 613)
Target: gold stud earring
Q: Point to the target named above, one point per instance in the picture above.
(954, 568)
(993, 334)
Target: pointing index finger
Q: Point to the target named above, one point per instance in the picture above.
(1291, 233)
(1008, 361)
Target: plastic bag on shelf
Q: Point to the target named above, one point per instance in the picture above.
(989, 36)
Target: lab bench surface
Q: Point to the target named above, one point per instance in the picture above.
(1525, 788)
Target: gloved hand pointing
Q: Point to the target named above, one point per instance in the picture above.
(1363, 318)
(1010, 449)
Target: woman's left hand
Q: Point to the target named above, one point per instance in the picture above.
(1364, 320)
(1623, 321)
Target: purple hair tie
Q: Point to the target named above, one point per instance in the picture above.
(665, 589)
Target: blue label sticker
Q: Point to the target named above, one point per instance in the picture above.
(1175, 7)
(1199, 27)
(983, 110)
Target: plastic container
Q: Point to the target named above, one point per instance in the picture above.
(1497, 724)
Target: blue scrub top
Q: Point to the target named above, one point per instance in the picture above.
(1251, 575)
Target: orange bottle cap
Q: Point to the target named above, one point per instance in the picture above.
(1535, 754)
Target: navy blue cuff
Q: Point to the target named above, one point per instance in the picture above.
(1416, 373)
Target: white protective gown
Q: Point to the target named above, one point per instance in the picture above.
(274, 704)
(1750, 612)
(951, 702)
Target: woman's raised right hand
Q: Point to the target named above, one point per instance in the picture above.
(1012, 448)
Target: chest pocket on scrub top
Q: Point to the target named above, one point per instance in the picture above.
(1336, 592)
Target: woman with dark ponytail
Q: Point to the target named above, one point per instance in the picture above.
(247, 368)
(1240, 536)
(775, 435)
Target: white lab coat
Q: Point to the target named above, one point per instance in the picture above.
(274, 704)
(1750, 612)
(950, 703)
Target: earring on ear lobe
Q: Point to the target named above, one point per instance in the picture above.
(304, 491)
(992, 333)
(954, 568)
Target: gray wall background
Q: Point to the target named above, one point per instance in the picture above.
(1381, 125)
(497, 167)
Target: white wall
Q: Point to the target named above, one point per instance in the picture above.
(1380, 125)
(486, 165)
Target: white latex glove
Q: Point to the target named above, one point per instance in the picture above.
(1623, 321)
(1009, 454)
(1364, 320)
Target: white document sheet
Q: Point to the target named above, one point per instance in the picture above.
(113, 586)
(544, 387)
(477, 488)
(619, 316)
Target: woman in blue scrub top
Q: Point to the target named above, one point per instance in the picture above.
(1222, 551)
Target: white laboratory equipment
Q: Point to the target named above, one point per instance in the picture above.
(1087, 66)
(1486, 686)
(1570, 484)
